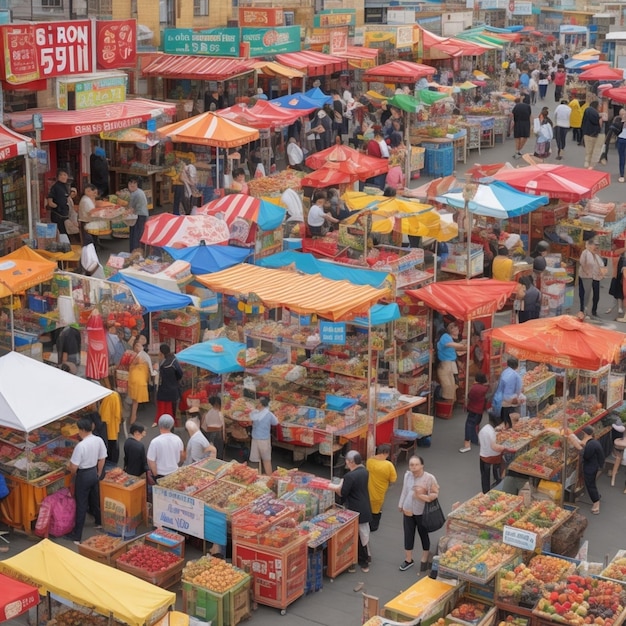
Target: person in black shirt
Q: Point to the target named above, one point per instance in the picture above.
(168, 392)
(58, 201)
(99, 169)
(592, 462)
(68, 345)
(135, 458)
(355, 496)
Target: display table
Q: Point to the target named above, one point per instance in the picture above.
(426, 598)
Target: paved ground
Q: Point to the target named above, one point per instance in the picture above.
(458, 475)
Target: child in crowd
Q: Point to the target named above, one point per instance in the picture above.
(476, 405)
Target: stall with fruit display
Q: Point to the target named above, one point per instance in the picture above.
(122, 502)
(274, 185)
(67, 579)
(37, 438)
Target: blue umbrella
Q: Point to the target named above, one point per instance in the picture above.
(207, 259)
(497, 200)
(297, 101)
(317, 95)
(151, 297)
(217, 355)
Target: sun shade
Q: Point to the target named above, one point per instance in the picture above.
(219, 356)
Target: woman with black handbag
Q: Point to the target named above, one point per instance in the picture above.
(418, 488)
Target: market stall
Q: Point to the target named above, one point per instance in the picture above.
(17, 598)
(33, 455)
(91, 587)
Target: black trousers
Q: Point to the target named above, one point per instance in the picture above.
(87, 496)
(485, 474)
(590, 485)
(410, 524)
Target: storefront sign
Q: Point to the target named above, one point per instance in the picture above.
(518, 538)
(335, 17)
(117, 44)
(522, 8)
(85, 94)
(404, 36)
(249, 16)
(492, 5)
(338, 41)
(373, 37)
(20, 56)
(176, 510)
(333, 333)
(64, 48)
(400, 16)
(213, 41)
(264, 41)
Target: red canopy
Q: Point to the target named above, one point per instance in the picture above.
(602, 72)
(398, 72)
(564, 341)
(359, 57)
(616, 93)
(262, 115)
(344, 158)
(13, 144)
(555, 181)
(313, 63)
(466, 300)
(16, 597)
(197, 67)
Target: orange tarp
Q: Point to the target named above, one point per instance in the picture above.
(331, 299)
(18, 275)
(563, 341)
(209, 129)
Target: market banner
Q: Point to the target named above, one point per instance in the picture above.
(210, 41)
(404, 37)
(333, 332)
(338, 41)
(334, 17)
(259, 17)
(75, 95)
(20, 55)
(264, 41)
(176, 510)
(116, 44)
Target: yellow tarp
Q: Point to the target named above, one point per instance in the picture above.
(58, 570)
(332, 299)
(271, 68)
(418, 598)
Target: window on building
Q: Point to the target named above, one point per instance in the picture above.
(200, 8)
(51, 4)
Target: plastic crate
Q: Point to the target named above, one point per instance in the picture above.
(314, 572)
(440, 161)
(221, 609)
(108, 558)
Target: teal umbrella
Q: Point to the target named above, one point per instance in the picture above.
(217, 355)
(412, 104)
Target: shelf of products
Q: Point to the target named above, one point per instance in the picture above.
(13, 204)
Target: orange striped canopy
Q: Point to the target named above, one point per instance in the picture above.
(209, 129)
(331, 299)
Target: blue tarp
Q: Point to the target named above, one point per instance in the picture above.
(308, 264)
(271, 216)
(217, 355)
(151, 297)
(297, 101)
(208, 259)
(317, 95)
(380, 314)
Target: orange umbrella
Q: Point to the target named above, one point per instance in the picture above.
(563, 341)
(343, 157)
(209, 129)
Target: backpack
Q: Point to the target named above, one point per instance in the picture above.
(57, 514)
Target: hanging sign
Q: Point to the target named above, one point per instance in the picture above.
(249, 16)
(338, 41)
(20, 55)
(117, 44)
(213, 41)
(333, 332)
(264, 41)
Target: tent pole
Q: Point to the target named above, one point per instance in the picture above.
(467, 359)
(565, 439)
(371, 403)
(217, 168)
(435, 261)
(12, 326)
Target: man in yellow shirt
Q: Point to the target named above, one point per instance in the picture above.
(502, 267)
(382, 473)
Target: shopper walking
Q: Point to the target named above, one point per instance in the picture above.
(591, 129)
(614, 129)
(168, 392)
(355, 497)
(166, 451)
(576, 120)
(476, 405)
(418, 487)
(58, 201)
(559, 83)
(382, 474)
(138, 203)
(490, 454)
(591, 270)
(592, 463)
(508, 392)
(562, 115)
(522, 113)
(616, 288)
(86, 465)
(261, 449)
(621, 152)
(139, 374)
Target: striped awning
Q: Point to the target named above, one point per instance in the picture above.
(197, 67)
(331, 299)
(269, 68)
(360, 57)
(13, 144)
(313, 63)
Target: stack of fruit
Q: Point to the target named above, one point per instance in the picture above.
(468, 610)
(616, 569)
(142, 558)
(543, 516)
(187, 479)
(486, 509)
(459, 555)
(213, 574)
(120, 477)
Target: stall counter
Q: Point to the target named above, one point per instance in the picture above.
(425, 597)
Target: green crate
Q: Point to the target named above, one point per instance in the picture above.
(221, 609)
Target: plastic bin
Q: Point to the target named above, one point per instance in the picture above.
(440, 161)
(444, 408)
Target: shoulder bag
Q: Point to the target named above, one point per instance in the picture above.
(432, 517)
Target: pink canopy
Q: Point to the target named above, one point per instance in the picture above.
(262, 115)
(182, 231)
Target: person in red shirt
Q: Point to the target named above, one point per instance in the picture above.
(476, 404)
(559, 83)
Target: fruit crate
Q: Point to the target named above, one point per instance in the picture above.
(168, 541)
(87, 548)
(165, 579)
(220, 609)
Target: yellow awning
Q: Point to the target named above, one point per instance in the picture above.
(107, 591)
(271, 68)
(330, 299)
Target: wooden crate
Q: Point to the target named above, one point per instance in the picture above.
(343, 548)
(165, 579)
(108, 558)
(221, 609)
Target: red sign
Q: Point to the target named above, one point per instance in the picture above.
(64, 48)
(339, 41)
(261, 17)
(20, 56)
(117, 44)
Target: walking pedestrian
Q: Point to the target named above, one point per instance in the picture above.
(591, 129)
(168, 392)
(576, 120)
(559, 83)
(591, 270)
(476, 405)
(355, 497)
(592, 463)
(382, 474)
(261, 448)
(490, 454)
(86, 465)
(614, 130)
(138, 203)
(508, 391)
(418, 487)
(562, 115)
(621, 152)
(616, 288)
(522, 113)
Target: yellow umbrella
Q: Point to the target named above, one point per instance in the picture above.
(586, 54)
(375, 95)
(466, 85)
(480, 75)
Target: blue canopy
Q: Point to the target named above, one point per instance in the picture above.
(308, 264)
(580, 64)
(217, 355)
(380, 314)
(317, 95)
(208, 259)
(297, 101)
(151, 297)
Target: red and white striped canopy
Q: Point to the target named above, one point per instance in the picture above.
(183, 231)
(313, 63)
(13, 144)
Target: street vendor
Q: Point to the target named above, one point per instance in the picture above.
(261, 449)
(317, 218)
(86, 205)
(447, 369)
(214, 427)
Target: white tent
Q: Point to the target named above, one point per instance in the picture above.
(33, 394)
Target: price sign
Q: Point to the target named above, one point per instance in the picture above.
(518, 538)
(333, 333)
(179, 511)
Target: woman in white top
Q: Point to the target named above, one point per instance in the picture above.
(418, 488)
(591, 271)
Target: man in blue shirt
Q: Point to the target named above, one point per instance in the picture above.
(509, 389)
(447, 346)
(261, 449)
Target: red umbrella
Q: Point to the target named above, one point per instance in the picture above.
(618, 94)
(602, 72)
(564, 341)
(555, 181)
(17, 598)
(262, 115)
(478, 171)
(97, 354)
(325, 177)
(348, 160)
